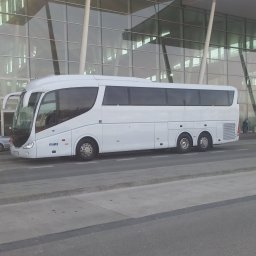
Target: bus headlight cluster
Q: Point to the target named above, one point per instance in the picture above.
(29, 145)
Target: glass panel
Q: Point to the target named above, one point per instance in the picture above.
(194, 17)
(14, 67)
(117, 5)
(47, 49)
(238, 82)
(251, 68)
(116, 57)
(39, 28)
(251, 27)
(217, 67)
(251, 42)
(217, 79)
(219, 22)
(75, 32)
(233, 54)
(39, 9)
(93, 69)
(172, 46)
(218, 37)
(144, 42)
(42, 68)
(176, 62)
(13, 6)
(176, 77)
(192, 64)
(145, 26)
(115, 39)
(75, 14)
(235, 25)
(170, 13)
(150, 74)
(194, 49)
(217, 52)
(143, 8)
(194, 34)
(170, 29)
(115, 20)
(13, 25)
(110, 70)
(235, 68)
(13, 46)
(145, 59)
(8, 86)
(192, 78)
(235, 40)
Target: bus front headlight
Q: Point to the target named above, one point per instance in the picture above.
(29, 145)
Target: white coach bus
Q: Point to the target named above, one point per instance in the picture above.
(86, 115)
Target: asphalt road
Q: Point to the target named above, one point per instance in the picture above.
(24, 179)
(227, 229)
(222, 227)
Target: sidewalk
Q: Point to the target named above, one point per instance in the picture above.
(50, 216)
(247, 136)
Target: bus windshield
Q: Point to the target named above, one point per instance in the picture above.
(23, 119)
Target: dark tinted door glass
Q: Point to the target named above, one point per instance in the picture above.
(116, 96)
(75, 101)
(148, 96)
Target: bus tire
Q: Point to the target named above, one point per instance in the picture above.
(86, 149)
(184, 143)
(1, 147)
(204, 142)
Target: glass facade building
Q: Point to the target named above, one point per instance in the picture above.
(159, 39)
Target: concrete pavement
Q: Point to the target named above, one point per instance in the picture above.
(50, 216)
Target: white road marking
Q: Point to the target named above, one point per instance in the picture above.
(159, 156)
(42, 166)
(218, 151)
(243, 149)
(125, 159)
(81, 163)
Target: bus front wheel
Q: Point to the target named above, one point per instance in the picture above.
(86, 150)
(184, 143)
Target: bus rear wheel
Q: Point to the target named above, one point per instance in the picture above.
(184, 143)
(86, 150)
(204, 142)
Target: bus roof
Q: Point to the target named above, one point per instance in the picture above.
(65, 81)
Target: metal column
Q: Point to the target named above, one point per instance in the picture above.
(207, 43)
(85, 37)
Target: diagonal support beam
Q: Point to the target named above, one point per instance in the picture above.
(207, 43)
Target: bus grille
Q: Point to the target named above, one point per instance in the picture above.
(229, 131)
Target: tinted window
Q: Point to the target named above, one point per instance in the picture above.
(116, 96)
(75, 101)
(176, 97)
(216, 98)
(192, 98)
(147, 96)
(183, 97)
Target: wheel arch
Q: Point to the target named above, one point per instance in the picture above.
(85, 138)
